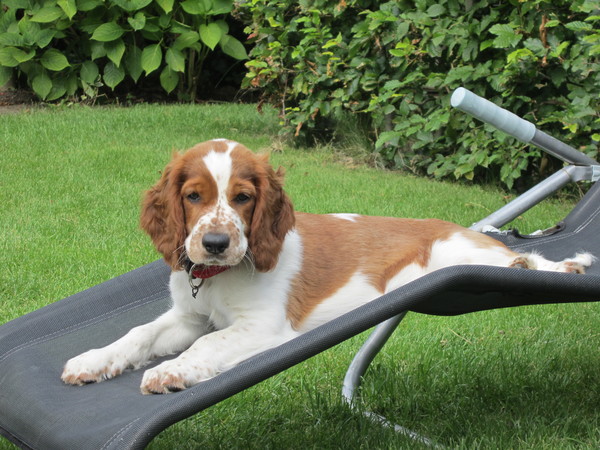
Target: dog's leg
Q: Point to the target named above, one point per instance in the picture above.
(212, 354)
(468, 247)
(577, 264)
(169, 333)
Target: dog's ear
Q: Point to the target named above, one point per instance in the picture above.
(162, 214)
(273, 217)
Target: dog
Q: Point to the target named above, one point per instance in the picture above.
(249, 273)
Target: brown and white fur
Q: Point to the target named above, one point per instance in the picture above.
(220, 205)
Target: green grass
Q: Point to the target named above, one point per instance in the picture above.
(70, 186)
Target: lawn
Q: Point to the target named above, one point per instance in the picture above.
(71, 181)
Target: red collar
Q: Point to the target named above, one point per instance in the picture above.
(202, 271)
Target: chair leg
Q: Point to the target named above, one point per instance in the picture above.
(366, 354)
(359, 366)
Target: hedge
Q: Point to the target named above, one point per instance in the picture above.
(76, 47)
(394, 64)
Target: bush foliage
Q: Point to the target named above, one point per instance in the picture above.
(394, 65)
(63, 47)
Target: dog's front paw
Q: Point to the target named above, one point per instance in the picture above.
(91, 367)
(173, 376)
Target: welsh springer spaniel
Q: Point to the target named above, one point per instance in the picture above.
(248, 273)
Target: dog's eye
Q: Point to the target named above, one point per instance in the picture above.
(194, 197)
(241, 198)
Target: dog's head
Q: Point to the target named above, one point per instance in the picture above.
(217, 204)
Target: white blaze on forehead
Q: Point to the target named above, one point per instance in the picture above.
(219, 165)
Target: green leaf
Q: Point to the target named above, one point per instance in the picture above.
(133, 62)
(12, 39)
(17, 4)
(579, 26)
(558, 76)
(34, 34)
(88, 90)
(486, 44)
(436, 10)
(54, 60)
(152, 27)
(592, 38)
(42, 85)
(5, 75)
(141, 3)
(59, 88)
(210, 35)
(223, 25)
(521, 54)
(47, 14)
(89, 72)
(186, 40)
(179, 28)
(107, 32)
(138, 21)
(501, 28)
(197, 7)
(388, 137)
(164, 21)
(27, 29)
(166, 5)
(98, 50)
(391, 85)
(88, 5)
(402, 30)
(69, 7)
(232, 47)
(115, 51)
(460, 73)
(151, 58)
(12, 56)
(535, 45)
(175, 60)
(7, 21)
(506, 36)
(132, 5)
(44, 37)
(113, 75)
(168, 79)
(221, 7)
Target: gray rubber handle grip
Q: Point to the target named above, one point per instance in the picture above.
(488, 112)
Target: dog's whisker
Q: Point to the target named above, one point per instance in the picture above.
(248, 261)
(182, 254)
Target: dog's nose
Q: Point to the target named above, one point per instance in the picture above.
(215, 243)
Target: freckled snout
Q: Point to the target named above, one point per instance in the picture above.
(215, 243)
(216, 247)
